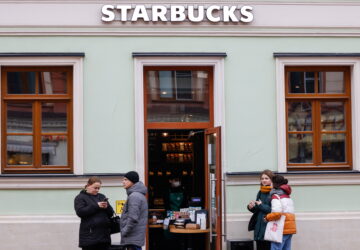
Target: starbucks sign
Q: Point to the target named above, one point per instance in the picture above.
(177, 13)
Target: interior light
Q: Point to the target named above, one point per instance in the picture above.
(165, 134)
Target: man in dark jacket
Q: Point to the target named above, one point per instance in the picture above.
(135, 213)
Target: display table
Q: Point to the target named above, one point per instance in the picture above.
(188, 235)
(173, 229)
(156, 226)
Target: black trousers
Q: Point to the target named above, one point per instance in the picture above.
(263, 245)
(131, 247)
(101, 246)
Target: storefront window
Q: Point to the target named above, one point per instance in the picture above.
(318, 117)
(38, 131)
(177, 94)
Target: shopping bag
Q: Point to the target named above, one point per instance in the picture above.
(114, 224)
(274, 230)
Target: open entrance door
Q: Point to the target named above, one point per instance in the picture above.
(213, 174)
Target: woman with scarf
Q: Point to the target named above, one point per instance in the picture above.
(260, 208)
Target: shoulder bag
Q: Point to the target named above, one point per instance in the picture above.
(274, 229)
(252, 221)
(114, 224)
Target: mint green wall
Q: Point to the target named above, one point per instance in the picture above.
(109, 118)
(47, 202)
(306, 198)
(109, 91)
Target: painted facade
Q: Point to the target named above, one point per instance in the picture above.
(249, 106)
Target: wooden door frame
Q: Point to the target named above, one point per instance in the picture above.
(218, 95)
(219, 188)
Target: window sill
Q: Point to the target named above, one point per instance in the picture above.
(55, 181)
(299, 178)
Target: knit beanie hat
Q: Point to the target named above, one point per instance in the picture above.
(132, 176)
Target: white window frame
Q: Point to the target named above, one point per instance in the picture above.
(77, 64)
(219, 100)
(354, 64)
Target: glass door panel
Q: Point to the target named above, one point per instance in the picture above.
(213, 173)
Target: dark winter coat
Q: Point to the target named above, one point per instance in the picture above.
(95, 221)
(134, 216)
(262, 210)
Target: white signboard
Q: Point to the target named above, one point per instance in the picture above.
(177, 13)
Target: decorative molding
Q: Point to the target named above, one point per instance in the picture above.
(354, 64)
(42, 54)
(316, 54)
(46, 219)
(7, 183)
(299, 179)
(83, 18)
(304, 216)
(231, 217)
(219, 99)
(179, 54)
(225, 32)
(77, 63)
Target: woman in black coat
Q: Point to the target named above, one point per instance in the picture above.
(95, 213)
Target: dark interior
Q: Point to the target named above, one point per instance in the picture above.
(174, 153)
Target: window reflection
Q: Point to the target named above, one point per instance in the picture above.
(19, 118)
(331, 82)
(333, 148)
(332, 116)
(300, 148)
(52, 83)
(21, 82)
(19, 150)
(54, 150)
(302, 82)
(54, 117)
(177, 96)
(299, 116)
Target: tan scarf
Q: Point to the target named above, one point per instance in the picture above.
(265, 189)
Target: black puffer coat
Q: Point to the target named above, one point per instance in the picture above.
(95, 221)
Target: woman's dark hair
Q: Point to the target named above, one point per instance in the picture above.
(278, 180)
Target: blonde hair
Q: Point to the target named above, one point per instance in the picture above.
(92, 180)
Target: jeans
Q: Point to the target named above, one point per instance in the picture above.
(101, 246)
(284, 245)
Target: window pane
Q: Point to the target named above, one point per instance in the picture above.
(183, 85)
(300, 148)
(54, 150)
(333, 148)
(19, 150)
(299, 116)
(332, 116)
(331, 82)
(52, 83)
(189, 102)
(166, 84)
(19, 118)
(54, 117)
(21, 82)
(301, 82)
